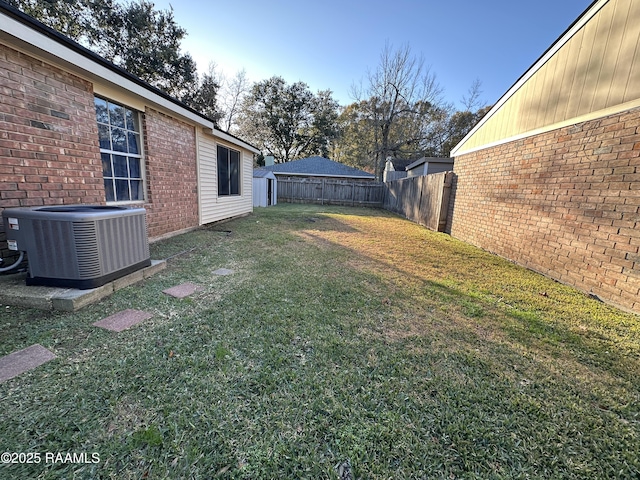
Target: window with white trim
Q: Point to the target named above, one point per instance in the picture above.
(228, 171)
(120, 150)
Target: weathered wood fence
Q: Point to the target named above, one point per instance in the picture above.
(328, 191)
(424, 200)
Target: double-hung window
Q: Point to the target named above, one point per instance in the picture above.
(228, 171)
(119, 134)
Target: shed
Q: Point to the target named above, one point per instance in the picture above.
(428, 165)
(265, 188)
(395, 169)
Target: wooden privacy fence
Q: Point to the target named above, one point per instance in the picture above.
(424, 200)
(330, 191)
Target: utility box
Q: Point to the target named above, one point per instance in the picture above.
(78, 246)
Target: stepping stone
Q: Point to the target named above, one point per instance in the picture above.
(223, 271)
(24, 360)
(183, 290)
(123, 320)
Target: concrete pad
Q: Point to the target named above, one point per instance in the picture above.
(183, 290)
(122, 320)
(14, 291)
(155, 267)
(72, 299)
(128, 280)
(223, 271)
(23, 360)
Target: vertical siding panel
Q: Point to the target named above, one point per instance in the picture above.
(632, 90)
(582, 69)
(523, 99)
(550, 90)
(625, 52)
(570, 53)
(592, 66)
(540, 97)
(603, 59)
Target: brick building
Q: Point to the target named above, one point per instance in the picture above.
(550, 177)
(75, 129)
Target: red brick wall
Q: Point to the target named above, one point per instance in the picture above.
(49, 151)
(564, 203)
(48, 135)
(172, 186)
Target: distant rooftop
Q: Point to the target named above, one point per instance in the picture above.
(317, 166)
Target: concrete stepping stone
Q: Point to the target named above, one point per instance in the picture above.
(183, 290)
(223, 271)
(122, 320)
(23, 360)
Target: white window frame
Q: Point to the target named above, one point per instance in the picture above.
(137, 123)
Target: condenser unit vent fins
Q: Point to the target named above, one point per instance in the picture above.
(80, 246)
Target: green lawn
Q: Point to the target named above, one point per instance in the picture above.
(343, 335)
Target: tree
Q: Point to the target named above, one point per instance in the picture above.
(288, 121)
(234, 92)
(146, 43)
(459, 124)
(205, 99)
(69, 17)
(402, 101)
(356, 145)
(135, 36)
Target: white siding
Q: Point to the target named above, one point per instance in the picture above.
(212, 207)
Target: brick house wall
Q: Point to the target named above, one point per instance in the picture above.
(564, 203)
(50, 155)
(49, 151)
(171, 171)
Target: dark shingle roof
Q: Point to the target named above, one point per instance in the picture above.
(318, 166)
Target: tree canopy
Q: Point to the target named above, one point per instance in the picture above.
(288, 121)
(398, 110)
(135, 36)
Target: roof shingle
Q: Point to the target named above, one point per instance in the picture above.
(318, 166)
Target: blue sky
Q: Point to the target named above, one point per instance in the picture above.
(332, 44)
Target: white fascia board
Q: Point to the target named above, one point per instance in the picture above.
(231, 139)
(532, 70)
(28, 39)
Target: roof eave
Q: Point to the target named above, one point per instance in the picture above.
(24, 31)
(324, 175)
(588, 13)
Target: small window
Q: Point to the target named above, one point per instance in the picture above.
(228, 171)
(119, 136)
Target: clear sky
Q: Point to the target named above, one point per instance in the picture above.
(332, 44)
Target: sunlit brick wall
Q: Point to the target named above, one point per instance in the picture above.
(564, 203)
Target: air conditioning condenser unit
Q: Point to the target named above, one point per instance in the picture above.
(78, 246)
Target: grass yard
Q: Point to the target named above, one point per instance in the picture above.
(348, 343)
